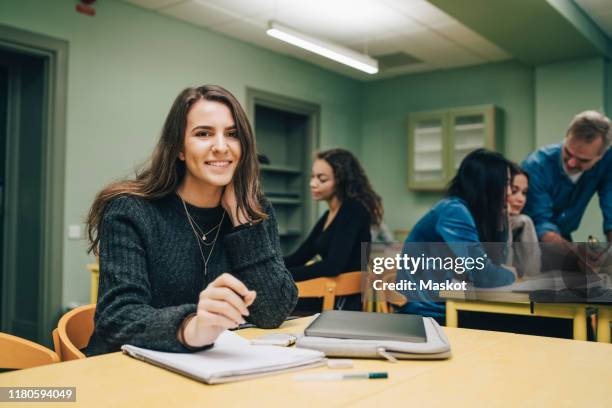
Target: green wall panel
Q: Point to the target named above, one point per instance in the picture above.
(126, 65)
(507, 85)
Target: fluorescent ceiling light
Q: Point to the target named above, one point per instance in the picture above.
(335, 52)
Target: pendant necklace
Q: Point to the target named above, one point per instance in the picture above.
(203, 237)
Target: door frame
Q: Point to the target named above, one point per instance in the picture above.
(55, 55)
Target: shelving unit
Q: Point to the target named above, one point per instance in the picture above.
(286, 133)
(280, 169)
(439, 140)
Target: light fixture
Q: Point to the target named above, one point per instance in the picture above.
(329, 50)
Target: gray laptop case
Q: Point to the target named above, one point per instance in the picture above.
(341, 324)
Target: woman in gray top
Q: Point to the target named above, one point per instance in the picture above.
(189, 247)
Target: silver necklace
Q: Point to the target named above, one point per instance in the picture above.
(191, 223)
(201, 235)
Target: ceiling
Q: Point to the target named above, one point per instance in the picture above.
(600, 11)
(376, 27)
(407, 36)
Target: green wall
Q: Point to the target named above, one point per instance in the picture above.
(125, 67)
(508, 85)
(562, 90)
(127, 64)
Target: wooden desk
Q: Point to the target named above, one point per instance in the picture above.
(514, 304)
(604, 318)
(487, 368)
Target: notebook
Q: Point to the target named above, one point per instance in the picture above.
(342, 324)
(232, 358)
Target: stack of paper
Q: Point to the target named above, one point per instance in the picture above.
(231, 359)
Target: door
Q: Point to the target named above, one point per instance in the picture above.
(3, 125)
(22, 86)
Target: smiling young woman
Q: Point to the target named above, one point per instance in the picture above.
(189, 247)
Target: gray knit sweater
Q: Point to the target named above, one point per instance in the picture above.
(151, 271)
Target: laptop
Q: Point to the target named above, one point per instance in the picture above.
(343, 324)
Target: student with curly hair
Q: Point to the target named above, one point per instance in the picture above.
(338, 179)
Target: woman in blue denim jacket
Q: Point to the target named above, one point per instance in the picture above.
(473, 212)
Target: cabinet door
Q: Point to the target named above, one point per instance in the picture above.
(427, 151)
(469, 129)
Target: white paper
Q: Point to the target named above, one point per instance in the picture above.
(231, 356)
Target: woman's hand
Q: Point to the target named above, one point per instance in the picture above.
(222, 305)
(230, 205)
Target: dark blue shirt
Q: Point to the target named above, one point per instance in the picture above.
(554, 202)
(450, 222)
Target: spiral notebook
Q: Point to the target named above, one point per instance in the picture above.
(232, 358)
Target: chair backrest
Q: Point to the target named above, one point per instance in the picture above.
(387, 299)
(17, 353)
(348, 283)
(73, 332)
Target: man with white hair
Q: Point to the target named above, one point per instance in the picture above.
(563, 177)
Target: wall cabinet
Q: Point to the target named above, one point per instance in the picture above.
(439, 140)
(286, 134)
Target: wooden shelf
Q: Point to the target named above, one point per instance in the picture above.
(428, 130)
(468, 127)
(469, 146)
(285, 201)
(428, 168)
(428, 150)
(280, 169)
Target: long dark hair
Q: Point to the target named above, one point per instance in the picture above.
(352, 182)
(163, 172)
(515, 170)
(481, 181)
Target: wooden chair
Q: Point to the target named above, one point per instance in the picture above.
(17, 353)
(94, 271)
(73, 332)
(348, 283)
(388, 299)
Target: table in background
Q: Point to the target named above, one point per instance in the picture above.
(515, 303)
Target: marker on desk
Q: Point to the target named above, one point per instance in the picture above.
(340, 376)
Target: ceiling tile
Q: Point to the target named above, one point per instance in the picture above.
(342, 21)
(467, 38)
(375, 27)
(254, 33)
(245, 8)
(200, 13)
(421, 11)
